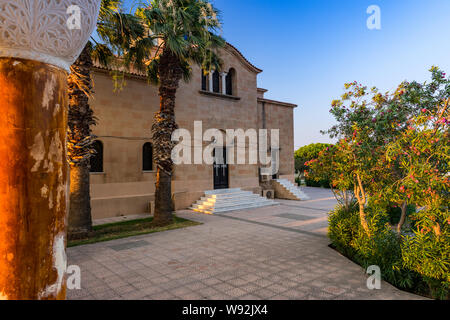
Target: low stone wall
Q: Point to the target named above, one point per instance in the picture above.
(281, 192)
(120, 206)
(116, 206)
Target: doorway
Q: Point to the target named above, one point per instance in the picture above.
(221, 174)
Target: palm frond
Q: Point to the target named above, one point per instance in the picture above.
(188, 29)
(153, 71)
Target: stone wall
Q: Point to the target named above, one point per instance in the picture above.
(124, 122)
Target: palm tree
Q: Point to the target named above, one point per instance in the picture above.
(119, 35)
(184, 32)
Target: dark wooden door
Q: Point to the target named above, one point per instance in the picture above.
(221, 180)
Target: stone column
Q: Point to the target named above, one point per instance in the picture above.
(211, 81)
(224, 82)
(33, 125)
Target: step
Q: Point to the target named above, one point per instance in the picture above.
(220, 201)
(293, 189)
(229, 204)
(240, 197)
(235, 208)
(230, 195)
(225, 204)
(223, 191)
(260, 205)
(231, 201)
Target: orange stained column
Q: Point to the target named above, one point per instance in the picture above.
(33, 180)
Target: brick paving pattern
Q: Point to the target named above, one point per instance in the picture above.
(278, 252)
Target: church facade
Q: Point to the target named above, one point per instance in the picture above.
(123, 174)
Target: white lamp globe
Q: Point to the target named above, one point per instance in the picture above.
(49, 31)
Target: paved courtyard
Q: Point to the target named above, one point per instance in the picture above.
(278, 252)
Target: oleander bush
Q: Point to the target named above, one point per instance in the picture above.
(383, 249)
(390, 172)
(394, 212)
(307, 153)
(343, 228)
(427, 251)
(318, 184)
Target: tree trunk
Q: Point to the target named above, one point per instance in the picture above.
(163, 199)
(402, 217)
(170, 74)
(33, 180)
(362, 199)
(80, 220)
(81, 119)
(362, 217)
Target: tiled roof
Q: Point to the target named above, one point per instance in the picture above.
(278, 103)
(244, 58)
(133, 72)
(129, 71)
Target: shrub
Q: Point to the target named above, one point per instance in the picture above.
(393, 148)
(308, 153)
(317, 184)
(343, 228)
(382, 249)
(428, 251)
(394, 212)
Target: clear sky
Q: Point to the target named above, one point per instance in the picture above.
(308, 49)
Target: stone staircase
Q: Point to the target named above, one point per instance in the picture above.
(226, 200)
(284, 189)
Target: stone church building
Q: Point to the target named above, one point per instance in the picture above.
(123, 175)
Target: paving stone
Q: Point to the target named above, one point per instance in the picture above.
(129, 245)
(211, 281)
(223, 287)
(263, 283)
(334, 290)
(250, 297)
(124, 290)
(248, 254)
(265, 294)
(277, 288)
(236, 293)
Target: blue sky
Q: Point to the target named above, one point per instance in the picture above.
(309, 49)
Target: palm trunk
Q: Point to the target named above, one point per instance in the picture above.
(163, 199)
(79, 141)
(402, 217)
(80, 220)
(170, 74)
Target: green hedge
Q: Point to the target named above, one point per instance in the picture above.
(308, 153)
(318, 184)
(402, 260)
(395, 212)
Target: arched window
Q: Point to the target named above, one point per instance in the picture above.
(97, 157)
(204, 81)
(147, 157)
(230, 80)
(216, 81)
